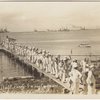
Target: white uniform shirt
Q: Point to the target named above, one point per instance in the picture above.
(90, 78)
(75, 75)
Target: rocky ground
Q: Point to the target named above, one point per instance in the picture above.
(30, 85)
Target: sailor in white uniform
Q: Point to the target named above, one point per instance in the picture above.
(75, 76)
(84, 82)
(52, 65)
(47, 63)
(91, 81)
(56, 62)
(7, 42)
(40, 57)
(60, 67)
(33, 53)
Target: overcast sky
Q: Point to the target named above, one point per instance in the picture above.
(21, 16)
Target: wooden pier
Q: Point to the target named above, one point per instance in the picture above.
(52, 77)
(34, 66)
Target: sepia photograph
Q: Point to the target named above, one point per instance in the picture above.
(50, 48)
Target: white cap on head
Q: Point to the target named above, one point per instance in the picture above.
(44, 50)
(87, 65)
(74, 60)
(33, 47)
(66, 58)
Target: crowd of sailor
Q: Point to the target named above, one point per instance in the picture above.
(64, 69)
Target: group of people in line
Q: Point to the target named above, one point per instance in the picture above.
(75, 72)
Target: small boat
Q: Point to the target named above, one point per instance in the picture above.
(85, 45)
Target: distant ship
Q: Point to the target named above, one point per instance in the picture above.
(64, 29)
(85, 44)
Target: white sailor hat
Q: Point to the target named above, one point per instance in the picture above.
(66, 58)
(44, 50)
(74, 60)
(87, 65)
(33, 47)
(29, 47)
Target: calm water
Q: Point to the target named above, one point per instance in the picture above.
(62, 42)
(9, 68)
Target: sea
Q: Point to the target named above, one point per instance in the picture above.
(79, 42)
(61, 42)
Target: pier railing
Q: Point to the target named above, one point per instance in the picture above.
(93, 58)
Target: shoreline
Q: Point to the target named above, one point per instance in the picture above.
(50, 31)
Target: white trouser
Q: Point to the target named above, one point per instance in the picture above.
(91, 89)
(75, 87)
